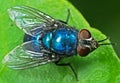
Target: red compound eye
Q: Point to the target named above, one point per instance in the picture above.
(83, 34)
(83, 51)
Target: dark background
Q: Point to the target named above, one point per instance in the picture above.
(103, 15)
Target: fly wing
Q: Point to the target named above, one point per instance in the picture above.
(28, 18)
(27, 55)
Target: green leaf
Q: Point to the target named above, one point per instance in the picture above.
(102, 65)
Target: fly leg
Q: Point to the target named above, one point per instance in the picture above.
(69, 65)
(68, 16)
(67, 19)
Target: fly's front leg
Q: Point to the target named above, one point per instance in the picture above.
(69, 65)
(67, 19)
(68, 16)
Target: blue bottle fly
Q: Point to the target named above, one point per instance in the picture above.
(47, 40)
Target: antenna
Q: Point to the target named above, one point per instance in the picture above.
(104, 39)
(106, 43)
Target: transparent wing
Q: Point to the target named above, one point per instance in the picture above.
(28, 18)
(27, 55)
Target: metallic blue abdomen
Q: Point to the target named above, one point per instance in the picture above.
(61, 41)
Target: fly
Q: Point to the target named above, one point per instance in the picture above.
(47, 40)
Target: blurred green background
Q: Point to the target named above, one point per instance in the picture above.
(104, 15)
